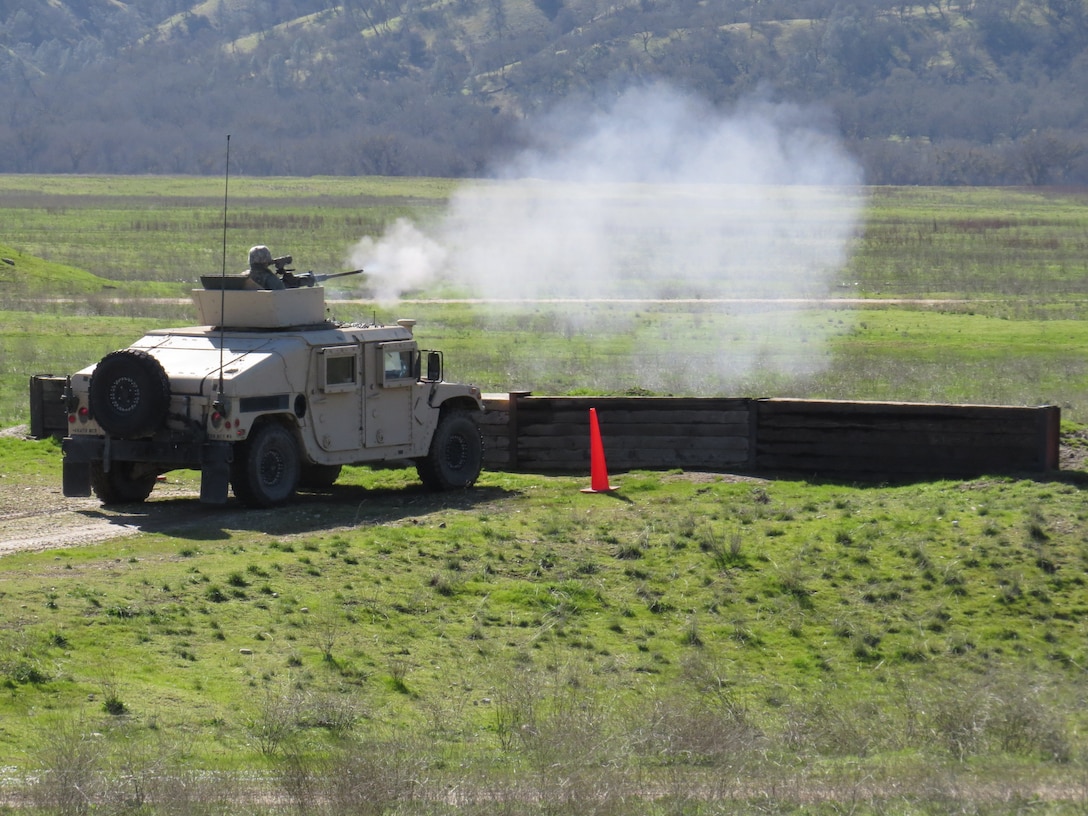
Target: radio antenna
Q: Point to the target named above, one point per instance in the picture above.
(223, 273)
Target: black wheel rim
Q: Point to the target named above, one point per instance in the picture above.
(271, 468)
(124, 395)
(456, 452)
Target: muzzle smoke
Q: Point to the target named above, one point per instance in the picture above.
(659, 196)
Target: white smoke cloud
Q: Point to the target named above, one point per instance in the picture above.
(659, 195)
(402, 260)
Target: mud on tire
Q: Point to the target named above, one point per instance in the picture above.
(456, 455)
(129, 393)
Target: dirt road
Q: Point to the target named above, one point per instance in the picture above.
(40, 518)
(36, 516)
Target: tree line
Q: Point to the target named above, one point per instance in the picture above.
(921, 93)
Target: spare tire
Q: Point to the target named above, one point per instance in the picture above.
(129, 393)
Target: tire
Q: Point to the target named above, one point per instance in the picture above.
(124, 483)
(129, 394)
(319, 477)
(456, 455)
(266, 467)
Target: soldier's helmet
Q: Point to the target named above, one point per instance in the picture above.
(260, 256)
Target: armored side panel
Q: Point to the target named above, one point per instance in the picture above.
(260, 308)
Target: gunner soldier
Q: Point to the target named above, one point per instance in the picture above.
(260, 269)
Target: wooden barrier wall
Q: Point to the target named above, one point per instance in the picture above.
(545, 434)
(551, 434)
(904, 438)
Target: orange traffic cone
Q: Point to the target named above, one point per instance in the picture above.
(598, 470)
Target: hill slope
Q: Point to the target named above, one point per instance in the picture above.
(525, 640)
(928, 93)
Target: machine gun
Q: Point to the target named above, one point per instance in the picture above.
(305, 279)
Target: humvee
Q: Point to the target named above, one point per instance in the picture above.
(265, 396)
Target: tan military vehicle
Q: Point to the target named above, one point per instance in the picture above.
(265, 396)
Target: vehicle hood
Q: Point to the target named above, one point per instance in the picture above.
(193, 363)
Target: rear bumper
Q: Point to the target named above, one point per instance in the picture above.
(212, 459)
(171, 451)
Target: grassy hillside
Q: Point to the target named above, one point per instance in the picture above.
(21, 273)
(720, 642)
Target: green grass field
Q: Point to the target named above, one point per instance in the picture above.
(696, 644)
(706, 639)
(1009, 266)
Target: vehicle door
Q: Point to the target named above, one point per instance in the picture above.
(336, 400)
(389, 394)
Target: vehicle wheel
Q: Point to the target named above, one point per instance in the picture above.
(123, 483)
(319, 477)
(129, 393)
(266, 467)
(456, 454)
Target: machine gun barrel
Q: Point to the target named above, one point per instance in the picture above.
(307, 279)
(322, 278)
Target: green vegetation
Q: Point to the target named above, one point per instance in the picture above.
(1001, 274)
(696, 643)
(20, 269)
(169, 229)
(788, 635)
(1025, 248)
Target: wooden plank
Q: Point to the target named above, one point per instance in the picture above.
(635, 431)
(1049, 428)
(496, 459)
(890, 470)
(846, 408)
(899, 425)
(904, 449)
(854, 438)
(566, 460)
(579, 419)
(689, 460)
(858, 444)
(915, 417)
(637, 424)
(531, 403)
(903, 458)
(663, 444)
(679, 443)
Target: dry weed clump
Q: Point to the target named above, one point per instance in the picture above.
(116, 767)
(999, 715)
(71, 771)
(362, 777)
(694, 748)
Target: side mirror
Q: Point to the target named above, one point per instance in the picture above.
(434, 366)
